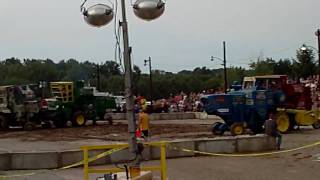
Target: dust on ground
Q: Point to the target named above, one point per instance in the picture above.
(116, 132)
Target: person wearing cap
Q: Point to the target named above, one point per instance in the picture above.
(143, 123)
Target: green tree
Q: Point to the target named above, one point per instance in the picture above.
(305, 65)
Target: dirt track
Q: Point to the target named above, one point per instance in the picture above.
(116, 132)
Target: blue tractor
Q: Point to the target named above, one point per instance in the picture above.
(239, 110)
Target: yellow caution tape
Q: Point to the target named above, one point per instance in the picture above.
(101, 155)
(248, 154)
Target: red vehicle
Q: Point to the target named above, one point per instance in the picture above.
(293, 100)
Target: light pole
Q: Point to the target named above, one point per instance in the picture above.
(150, 73)
(224, 61)
(98, 78)
(317, 33)
(99, 15)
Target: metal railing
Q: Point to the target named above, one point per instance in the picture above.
(86, 170)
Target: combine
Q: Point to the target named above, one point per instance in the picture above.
(260, 96)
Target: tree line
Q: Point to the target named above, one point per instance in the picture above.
(27, 71)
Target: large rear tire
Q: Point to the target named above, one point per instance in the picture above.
(79, 119)
(217, 128)
(283, 122)
(4, 125)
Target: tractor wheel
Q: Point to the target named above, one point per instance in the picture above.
(216, 130)
(79, 119)
(46, 125)
(3, 123)
(237, 129)
(283, 122)
(29, 126)
(316, 125)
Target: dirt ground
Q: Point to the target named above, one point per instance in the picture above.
(116, 132)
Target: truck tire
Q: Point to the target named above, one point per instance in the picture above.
(79, 119)
(29, 126)
(237, 129)
(3, 123)
(316, 125)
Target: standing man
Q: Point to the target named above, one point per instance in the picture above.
(144, 123)
(271, 130)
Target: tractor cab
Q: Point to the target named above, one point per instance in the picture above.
(269, 82)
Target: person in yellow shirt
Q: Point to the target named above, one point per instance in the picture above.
(144, 123)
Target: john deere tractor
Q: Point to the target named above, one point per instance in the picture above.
(78, 103)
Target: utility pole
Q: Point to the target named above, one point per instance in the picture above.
(317, 33)
(98, 78)
(150, 83)
(128, 87)
(225, 67)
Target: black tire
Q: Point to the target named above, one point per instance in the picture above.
(4, 125)
(79, 119)
(316, 125)
(29, 126)
(108, 118)
(216, 128)
(46, 125)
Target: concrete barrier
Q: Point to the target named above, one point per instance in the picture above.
(5, 161)
(34, 160)
(171, 153)
(255, 143)
(226, 145)
(50, 160)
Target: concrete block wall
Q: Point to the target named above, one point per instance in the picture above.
(227, 145)
(34, 160)
(51, 160)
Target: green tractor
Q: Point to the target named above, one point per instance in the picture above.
(79, 104)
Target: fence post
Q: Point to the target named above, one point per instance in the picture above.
(85, 164)
(163, 161)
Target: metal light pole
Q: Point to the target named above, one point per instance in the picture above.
(101, 14)
(225, 67)
(128, 83)
(317, 33)
(98, 78)
(224, 61)
(150, 73)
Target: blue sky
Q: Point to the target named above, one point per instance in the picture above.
(184, 37)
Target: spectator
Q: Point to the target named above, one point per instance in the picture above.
(144, 124)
